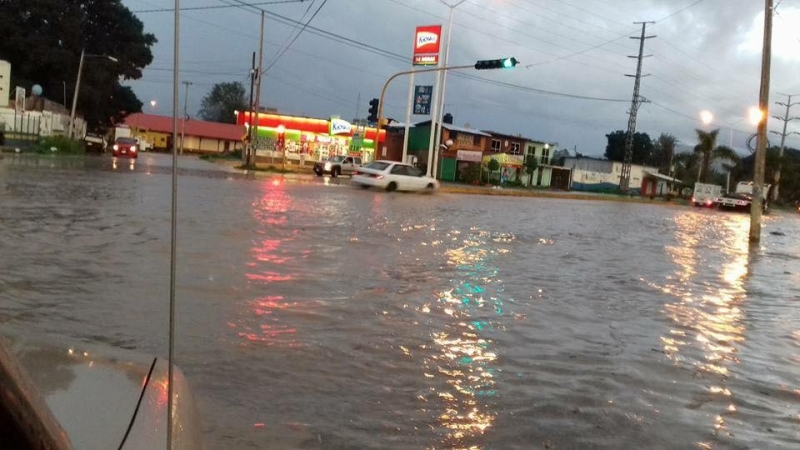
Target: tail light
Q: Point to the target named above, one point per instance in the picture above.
(356, 173)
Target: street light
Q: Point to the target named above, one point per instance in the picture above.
(78, 86)
(706, 116)
(438, 131)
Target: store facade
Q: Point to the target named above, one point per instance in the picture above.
(310, 139)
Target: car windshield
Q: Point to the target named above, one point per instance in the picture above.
(377, 165)
(336, 159)
(126, 141)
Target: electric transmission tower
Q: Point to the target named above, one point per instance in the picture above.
(625, 179)
(786, 119)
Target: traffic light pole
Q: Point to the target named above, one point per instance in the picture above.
(383, 94)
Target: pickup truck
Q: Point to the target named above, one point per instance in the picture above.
(337, 165)
(742, 197)
(95, 143)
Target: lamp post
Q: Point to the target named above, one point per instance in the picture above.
(440, 112)
(78, 86)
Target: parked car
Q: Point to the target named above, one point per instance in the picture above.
(95, 143)
(126, 146)
(337, 165)
(393, 175)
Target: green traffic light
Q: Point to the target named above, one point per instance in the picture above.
(509, 63)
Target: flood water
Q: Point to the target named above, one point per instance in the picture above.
(313, 315)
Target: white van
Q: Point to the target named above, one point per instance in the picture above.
(706, 195)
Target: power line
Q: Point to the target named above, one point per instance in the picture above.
(285, 49)
(200, 8)
(679, 11)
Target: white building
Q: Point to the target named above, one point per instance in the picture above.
(601, 175)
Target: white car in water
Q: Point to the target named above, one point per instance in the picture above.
(393, 176)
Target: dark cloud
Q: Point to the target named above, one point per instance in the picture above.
(704, 57)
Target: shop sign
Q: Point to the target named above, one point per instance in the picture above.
(467, 155)
(426, 45)
(339, 126)
(422, 100)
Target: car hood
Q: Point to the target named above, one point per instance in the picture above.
(107, 398)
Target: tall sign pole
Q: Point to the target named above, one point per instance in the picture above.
(625, 178)
(761, 147)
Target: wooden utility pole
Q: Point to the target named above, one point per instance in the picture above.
(246, 154)
(761, 146)
(258, 85)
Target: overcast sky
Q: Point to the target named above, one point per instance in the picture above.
(706, 56)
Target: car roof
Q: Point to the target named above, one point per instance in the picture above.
(388, 161)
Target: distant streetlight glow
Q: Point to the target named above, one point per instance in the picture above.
(756, 115)
(706, 117)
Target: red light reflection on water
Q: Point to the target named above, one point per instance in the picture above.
(268, 329)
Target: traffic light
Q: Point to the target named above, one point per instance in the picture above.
(373, 110)
(505, 63)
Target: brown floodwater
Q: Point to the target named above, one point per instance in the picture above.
(313, 315)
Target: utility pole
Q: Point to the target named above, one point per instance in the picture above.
(258, 83)
(185, 114)
(358, 103)
(625, 178)
(761, 146)
(786, 119)
(249, 148)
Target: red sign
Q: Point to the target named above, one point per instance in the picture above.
(426, 45)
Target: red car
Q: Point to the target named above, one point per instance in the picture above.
(125, 146)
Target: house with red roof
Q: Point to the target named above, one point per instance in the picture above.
(199, 136)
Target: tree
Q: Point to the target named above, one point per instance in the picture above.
(642, 147)
(493, 166)
(221, 102)
(707, 152)
(43, 39)
(530, 166)
(664, 152)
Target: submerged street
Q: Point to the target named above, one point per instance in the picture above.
(312, 314)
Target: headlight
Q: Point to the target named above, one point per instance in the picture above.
(327, 166)
(133, 148)
(116, 147)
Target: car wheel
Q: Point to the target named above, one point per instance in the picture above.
(391, 187)
(364, 186)
(335, 172)
(430, 187)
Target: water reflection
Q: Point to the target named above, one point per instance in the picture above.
(261, 323)
(708, 318)
(463, 357)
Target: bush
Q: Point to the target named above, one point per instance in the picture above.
(62, 144)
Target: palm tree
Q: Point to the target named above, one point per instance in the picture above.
(707, 151)
(664, 151)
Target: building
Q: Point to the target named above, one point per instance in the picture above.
(459, 158)
(306, 138)
(601, 175)
(200, 136)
